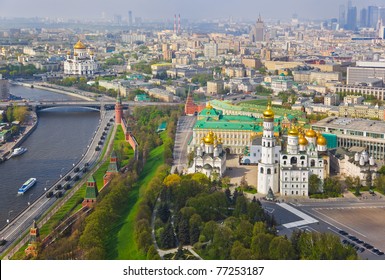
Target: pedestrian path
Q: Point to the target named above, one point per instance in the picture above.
(306, 219)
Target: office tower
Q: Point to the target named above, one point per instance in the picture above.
(257, 33)
(130, 18)
(342, 16)
(372, 16)
(351, 23)
(381, 14)
(364, 18)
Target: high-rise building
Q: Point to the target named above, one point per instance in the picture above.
(364, 17)
(342, 16)
(257, 33)
(351, 23)
(372, 16)
(211, 50)
(130, 18)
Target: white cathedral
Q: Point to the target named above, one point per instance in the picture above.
(286, 170)
(81, 62)
(210, 157)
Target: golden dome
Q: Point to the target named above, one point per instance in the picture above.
(79, 46)
(302, 140)
(91, 53)
(209, 139)
(321, 141)
(311, 133)
(293, 131)
(268, 113)
(220, 140)
(208, 106)
(68, 52)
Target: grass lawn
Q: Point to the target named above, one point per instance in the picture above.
(262, 102)
(120, 144)
(126, 248)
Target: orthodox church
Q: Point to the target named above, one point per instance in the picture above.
(81, 62)
(287, 170)
(210, 157)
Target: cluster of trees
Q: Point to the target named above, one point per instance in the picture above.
(15, 113)
(330, 187)
(19, 71)
(192, 210)
(145, 121)
(202, 79)
(116, 59)
(81, 83)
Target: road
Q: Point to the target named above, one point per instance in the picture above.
(182, 137)
(17, 227)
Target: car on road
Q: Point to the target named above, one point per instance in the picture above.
(361, 250)
(368, 246)
(3, 241)
(342, 232)
(49, 194)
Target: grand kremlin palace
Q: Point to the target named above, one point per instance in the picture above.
(237, 125)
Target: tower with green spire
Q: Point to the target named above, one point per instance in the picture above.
(91, 193)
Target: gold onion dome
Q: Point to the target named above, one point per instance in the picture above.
(268, 113)
(293, 131)
(209, 139)
(79, 45)
(302, 140)
(311, 133)
(208, 106)
(321, 140)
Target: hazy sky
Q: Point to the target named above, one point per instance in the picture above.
(163, 9)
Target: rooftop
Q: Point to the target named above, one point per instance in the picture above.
(352, 124)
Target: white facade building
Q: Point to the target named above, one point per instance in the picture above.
(81, 62)
(287, 169)
(210, 158)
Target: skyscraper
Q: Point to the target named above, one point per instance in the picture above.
(372, 16)
(257, 33)
(130, 18)
(341, 16)
(364, 18)
(351, 23)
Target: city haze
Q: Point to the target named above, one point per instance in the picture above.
(155, 9)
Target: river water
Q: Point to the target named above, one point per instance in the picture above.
(60, 139)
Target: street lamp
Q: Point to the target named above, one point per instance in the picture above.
(29, 199)
(61, 171)
(9, 215)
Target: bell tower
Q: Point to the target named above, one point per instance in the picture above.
(268, 165)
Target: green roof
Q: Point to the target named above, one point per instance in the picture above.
(91, 193)
(112, 167)
(162, 127)
(331, 139)
(91, 179)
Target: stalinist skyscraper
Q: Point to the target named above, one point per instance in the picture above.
(257, 33)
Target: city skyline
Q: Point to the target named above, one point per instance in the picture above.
(199, 9)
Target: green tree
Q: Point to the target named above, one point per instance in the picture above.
(239, 252)
(195, 228)
(167, 238)
(260, 245)
(281, 249)
(314, 184)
